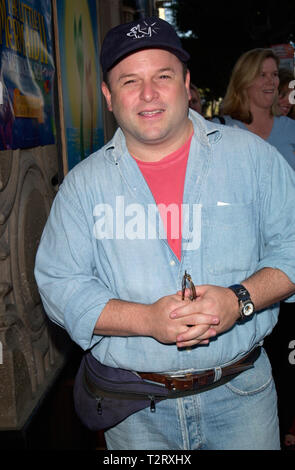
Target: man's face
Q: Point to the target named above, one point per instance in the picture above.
(149, 97)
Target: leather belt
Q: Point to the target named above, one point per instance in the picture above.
(194, 381)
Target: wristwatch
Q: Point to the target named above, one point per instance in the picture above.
(246, 306)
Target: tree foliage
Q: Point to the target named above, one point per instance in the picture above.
(222, 31)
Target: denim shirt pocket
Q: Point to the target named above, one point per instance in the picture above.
(229, 237)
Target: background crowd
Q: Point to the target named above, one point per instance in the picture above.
(260, 99)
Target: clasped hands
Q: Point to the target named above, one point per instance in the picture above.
(189, 322)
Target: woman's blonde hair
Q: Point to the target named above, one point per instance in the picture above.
(247, 68)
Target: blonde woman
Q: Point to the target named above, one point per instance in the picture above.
(251, 101)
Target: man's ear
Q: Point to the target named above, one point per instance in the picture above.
(187, 84)
(107, 94)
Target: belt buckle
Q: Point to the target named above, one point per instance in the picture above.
(185, 382)
(169, 383)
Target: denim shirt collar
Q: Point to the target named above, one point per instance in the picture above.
(206, 132)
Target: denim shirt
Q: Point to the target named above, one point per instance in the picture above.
(101, 242)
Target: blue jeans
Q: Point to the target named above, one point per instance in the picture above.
(241, 414)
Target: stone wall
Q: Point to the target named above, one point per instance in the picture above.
(32, 349)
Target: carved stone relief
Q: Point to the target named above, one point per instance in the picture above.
(32, 350)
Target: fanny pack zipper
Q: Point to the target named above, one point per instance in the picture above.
(123, 394)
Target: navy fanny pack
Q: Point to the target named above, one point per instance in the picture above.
(104, 396)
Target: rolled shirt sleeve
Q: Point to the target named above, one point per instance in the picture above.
(71, 290)
(277, 229)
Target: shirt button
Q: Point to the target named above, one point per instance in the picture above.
(172, 263)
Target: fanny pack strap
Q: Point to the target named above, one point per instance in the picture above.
(104, 396)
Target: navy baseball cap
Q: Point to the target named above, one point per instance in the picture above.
(145, 33)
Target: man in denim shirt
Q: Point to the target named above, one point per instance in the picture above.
(108, 275)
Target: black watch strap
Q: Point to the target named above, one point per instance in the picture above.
(246, 306)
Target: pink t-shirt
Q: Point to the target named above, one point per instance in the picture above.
(165, 179)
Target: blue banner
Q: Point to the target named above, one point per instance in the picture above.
(26, 74)
(80, 76)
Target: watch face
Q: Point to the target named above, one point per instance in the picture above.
(248, 309)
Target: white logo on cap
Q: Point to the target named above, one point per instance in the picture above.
(139, 32)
